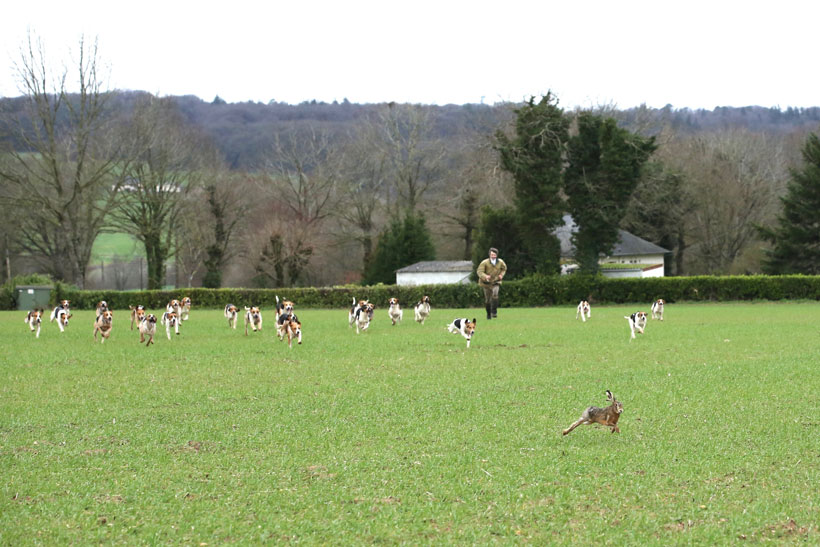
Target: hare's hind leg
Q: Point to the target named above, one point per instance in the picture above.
(580, 421)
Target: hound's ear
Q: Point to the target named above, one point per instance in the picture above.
(608, 395)
(474, 321)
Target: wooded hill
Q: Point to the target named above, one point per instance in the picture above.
(302, 192)
(245, 132)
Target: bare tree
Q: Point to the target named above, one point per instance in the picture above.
(476, 181)
(303, 174)
(361, 191)
(283, 248)
(735, 177)
(71, 170)
(122, 270)
(414, 155)
(301, 184)
(170, 161)
(208, 227)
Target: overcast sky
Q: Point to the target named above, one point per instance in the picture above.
(620, 52)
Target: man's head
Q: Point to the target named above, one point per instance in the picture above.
(493, 253)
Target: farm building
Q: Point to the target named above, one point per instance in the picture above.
(435, 272)
(631, 257)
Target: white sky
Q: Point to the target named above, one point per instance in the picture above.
(692, 54)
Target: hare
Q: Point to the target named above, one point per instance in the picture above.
(605, 416)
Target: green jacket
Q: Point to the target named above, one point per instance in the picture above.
(486, 268)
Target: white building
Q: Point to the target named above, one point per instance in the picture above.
(631, 256)
(435, 272)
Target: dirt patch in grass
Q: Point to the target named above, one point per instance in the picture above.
(194, 447)
(680, 526)
(317, 472)
(109, 498)
(786, 529)
(23, 499)
(535, 504)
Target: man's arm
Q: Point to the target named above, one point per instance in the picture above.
(481, 272)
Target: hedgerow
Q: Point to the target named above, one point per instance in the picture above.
(536, 290)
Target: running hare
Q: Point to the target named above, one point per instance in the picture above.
(605, 416)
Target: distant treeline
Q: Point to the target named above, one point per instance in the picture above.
(245, 132)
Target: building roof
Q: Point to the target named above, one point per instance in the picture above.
(627, 245)
(435, 266)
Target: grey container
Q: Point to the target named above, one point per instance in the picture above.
(30, 297)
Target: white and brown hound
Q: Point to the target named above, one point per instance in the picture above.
(283, 307)
(354, 310)
(34, 319)
(422, 309)
(637, 322)
(464, 327)
(253, 317)
(170, 319)
(364, 315)
(288, 325)
(174, 306)
(657, 309)
(394, 310)
(584, 311)
(184, 308)
(231, 314)
(148, 327)
(137, 315)
(103, 325)
(62, 314)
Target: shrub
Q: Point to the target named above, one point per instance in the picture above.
(534, 290)
(8, 300)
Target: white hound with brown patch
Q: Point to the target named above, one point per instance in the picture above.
(584, 311)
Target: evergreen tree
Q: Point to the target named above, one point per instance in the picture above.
(403, 243)
(604, 167)
(499, 228)
(796, 240)
(534, 157)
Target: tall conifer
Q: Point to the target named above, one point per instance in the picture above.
(796, 239)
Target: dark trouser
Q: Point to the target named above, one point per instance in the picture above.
(491, 300)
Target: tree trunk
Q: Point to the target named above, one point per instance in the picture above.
(679, 254)
(468, 242)
(367, 249)
(155, 257)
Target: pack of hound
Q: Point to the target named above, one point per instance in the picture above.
(287, 324)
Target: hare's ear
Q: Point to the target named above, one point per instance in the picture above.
(609, 396)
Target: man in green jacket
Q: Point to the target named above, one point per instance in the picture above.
(490, 273)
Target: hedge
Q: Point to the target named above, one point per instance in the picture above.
(526, 292)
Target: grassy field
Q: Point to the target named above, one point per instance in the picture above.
(107, 246)
(401, 435)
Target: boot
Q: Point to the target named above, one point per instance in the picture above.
(489, 311)
(494, 308)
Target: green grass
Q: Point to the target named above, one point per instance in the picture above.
(106, 246)
(401, 435)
